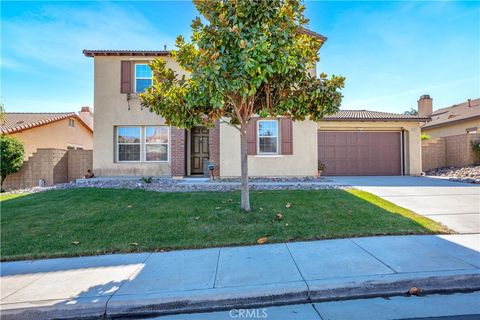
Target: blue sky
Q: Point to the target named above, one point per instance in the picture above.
(391, 52)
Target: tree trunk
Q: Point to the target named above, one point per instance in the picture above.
(2, 178)
(244, 168)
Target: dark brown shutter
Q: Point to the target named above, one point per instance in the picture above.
(252, 137)
(286, 135)
(126, 77)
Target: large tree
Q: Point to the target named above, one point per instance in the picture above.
(244, 59)
(11, 156)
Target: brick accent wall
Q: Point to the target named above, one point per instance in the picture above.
(53, 166)
(214, 147)
(178, 155)
(449, 151)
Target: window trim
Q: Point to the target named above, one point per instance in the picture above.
(141, 78)
(145, 144)
(277, 137)
(117, 145)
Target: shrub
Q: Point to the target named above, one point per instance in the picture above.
(424, 136)
(11, 156)
(147, 179)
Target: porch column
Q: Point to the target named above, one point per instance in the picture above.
(178, 154)
(214, 147)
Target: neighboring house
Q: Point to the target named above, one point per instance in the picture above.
(67, 130)
(129, 141)
(450, 121)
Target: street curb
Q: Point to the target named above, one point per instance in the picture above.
(206, 300)
(216, 299)
(256, 296)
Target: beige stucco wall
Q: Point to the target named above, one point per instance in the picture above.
(112, 109)
(55, 135)
(412, 145)
(303, 161)
(452, 129)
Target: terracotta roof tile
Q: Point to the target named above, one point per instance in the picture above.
(143, 53)
(366, 115)
(18, 121)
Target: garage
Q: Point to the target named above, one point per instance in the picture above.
(360, 153)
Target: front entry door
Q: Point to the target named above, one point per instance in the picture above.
(199, 151)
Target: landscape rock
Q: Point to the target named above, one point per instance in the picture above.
(470, 174)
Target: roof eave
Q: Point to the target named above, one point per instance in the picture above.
(45, 122)
(135, 53)
(378, 119)
(430, 126)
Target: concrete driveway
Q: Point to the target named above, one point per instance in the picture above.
(454, 204)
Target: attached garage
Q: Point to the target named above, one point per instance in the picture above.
(357, 153)
(369, 143)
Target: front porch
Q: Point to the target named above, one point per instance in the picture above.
(193, 150)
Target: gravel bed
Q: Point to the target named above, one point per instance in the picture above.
(470, 174)
(171, 185)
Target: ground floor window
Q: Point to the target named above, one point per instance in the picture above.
(128, 144)
(156, 143)
(142, 143)
(267, 136)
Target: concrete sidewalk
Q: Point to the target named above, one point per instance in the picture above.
(222, 278)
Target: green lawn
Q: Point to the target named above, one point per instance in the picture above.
(95, 221)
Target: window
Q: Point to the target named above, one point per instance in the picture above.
(128, 143)
(267, 136)
(71, 123)
(143, 77)
(156, 143)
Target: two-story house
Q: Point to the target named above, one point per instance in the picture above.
(129, 141)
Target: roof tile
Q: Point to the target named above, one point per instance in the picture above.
(17, 121)
(367, 115)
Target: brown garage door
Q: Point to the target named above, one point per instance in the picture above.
(360, 153)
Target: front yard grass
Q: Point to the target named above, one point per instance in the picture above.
(88, 221)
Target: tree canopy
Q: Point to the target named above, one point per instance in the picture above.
(11, 156)
(244, 58)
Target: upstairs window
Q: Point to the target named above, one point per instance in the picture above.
(267, 136)
(143, 77)
(71, 123)
(128, 144)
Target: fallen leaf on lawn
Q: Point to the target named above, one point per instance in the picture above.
(262, 240)
(288, 205)
(196, 218)
(218, 208)
(414, 291)
(75, 242)
(279, 216)
(129, 206)
(134, 244)
(286, 224)
(261, 209)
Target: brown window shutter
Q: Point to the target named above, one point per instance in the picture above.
(126, 77)
(252, 137)
(286, 131)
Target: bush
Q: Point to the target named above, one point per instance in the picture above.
(11, 156)
(424, 136)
